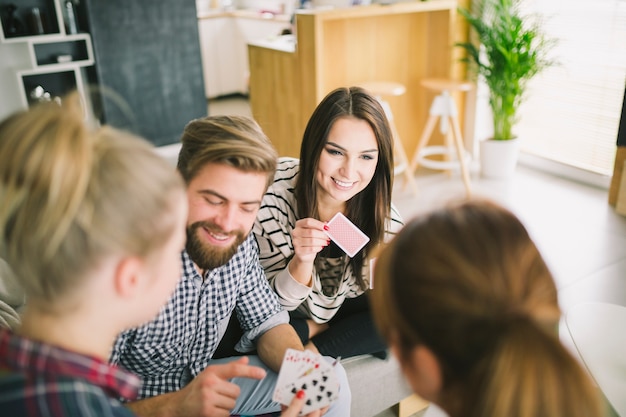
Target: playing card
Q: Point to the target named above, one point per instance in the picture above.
(304, 370)
(292, 367)
(346, 235)
(320, 387)
(296, 363)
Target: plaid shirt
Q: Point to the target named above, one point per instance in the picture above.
(38, 379)
(176, 346)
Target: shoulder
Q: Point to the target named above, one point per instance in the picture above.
(63, 396)
(287, 170)
(279, 200)
(94, 396)
(92, 400)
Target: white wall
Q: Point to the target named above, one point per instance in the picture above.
(13, 57)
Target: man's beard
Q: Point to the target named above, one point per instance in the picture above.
(205, 255)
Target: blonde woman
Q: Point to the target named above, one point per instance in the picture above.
(469, 308)
(91, 222)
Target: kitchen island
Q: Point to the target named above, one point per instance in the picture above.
(224, 35)
(401, 42)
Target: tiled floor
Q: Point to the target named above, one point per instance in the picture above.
(581, 237)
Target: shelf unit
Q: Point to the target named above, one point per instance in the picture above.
(57, 61)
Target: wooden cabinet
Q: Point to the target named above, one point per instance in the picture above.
(221, 64)
(251, 30)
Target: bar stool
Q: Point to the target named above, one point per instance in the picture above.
(443, 107)
(382, 89)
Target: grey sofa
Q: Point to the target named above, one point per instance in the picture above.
(376, 384)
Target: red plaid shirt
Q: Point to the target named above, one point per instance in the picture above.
(38, 379)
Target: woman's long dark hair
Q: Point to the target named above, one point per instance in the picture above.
(369, 209)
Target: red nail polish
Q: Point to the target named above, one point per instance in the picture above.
(300, 394)
(326, 227)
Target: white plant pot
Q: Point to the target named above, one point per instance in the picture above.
(498, 158)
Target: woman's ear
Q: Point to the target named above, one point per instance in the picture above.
(128, 277)
(423, 372)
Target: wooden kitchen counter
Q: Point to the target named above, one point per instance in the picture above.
(402, 42)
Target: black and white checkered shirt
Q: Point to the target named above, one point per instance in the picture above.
(176, 346)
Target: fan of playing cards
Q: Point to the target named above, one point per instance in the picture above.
(346, 235)
(309, 372)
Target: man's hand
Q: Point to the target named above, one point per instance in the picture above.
(210, 394)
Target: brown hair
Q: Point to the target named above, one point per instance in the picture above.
(71, 196)
(369, 209)
(237, 141)
(467, 282)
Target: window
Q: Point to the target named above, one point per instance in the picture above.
(572, 111)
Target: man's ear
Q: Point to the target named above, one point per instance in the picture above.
(128, 277)
(424, 372)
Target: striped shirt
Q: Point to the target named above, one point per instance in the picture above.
(333, 279)
(38, 379)
(178, 344)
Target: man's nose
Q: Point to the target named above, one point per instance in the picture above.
(227, 219)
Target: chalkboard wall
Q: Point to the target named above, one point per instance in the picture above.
(148, 65)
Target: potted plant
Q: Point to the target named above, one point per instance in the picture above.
(509, 49)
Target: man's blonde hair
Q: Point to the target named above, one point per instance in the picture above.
(237, 141)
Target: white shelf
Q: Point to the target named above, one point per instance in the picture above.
(40, 68)
(57, 18)
(81, 37)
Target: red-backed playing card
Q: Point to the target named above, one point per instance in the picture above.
(346, 235)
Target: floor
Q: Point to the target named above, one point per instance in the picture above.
(579, 234)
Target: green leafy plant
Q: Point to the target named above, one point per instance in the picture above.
(509, 49)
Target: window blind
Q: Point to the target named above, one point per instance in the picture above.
(572, 110)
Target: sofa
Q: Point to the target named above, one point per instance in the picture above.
(376, 384)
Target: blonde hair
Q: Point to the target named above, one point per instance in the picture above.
(467, 282)
(71, 196)
(237, 141)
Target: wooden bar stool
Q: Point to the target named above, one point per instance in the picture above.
(444, 108)
(382, 89)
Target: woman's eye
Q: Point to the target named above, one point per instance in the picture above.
(334, 152)
(367, 157)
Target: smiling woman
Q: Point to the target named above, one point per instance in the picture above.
(345, 166)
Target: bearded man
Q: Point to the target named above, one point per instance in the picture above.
(227, 163)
